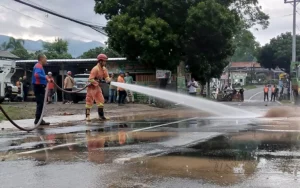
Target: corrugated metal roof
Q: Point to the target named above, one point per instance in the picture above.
(7, 54)
(245, 64)
(71, 60)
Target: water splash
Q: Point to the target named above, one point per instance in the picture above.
(194, 102)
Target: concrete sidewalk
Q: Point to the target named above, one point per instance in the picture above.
(54, 120)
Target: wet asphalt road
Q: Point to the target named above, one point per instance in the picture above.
(181, 152)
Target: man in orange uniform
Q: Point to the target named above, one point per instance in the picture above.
(122, 92)
(94, 92)
(266, 93)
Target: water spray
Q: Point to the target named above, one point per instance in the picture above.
(194, 102)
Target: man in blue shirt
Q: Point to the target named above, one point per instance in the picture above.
(39, 83)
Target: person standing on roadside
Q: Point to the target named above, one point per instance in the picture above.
(192, 86)
(68, 85)
(26, 86)
(129, 80)
(112, 90)
(273, 94)
(50, 80)
(242, 94)
(266, 93)
(121, 91)
(39, 82)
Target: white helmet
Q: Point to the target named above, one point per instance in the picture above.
(49, 73)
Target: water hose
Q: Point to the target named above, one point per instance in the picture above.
(65, 91)
(43, 111)
(36, 125)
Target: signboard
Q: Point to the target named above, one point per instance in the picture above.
(162, 74)
(62, 72)
(238, 74)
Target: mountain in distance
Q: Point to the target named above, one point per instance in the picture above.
(75, 48)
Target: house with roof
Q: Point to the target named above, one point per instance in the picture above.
(247, 72)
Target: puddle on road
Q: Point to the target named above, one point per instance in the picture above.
(233, 159)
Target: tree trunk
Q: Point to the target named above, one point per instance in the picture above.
(208, 90)
(202, 90)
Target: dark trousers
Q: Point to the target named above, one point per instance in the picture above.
(273, 96)
(68, 95)
(193, 94)
(266, 96)
(112, 97)
(122, 96)
(39, 92)
(242, 96)
(25, 94)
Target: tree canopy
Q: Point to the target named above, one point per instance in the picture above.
(93, 53)
(57, 50)
(246, 47)
(278, 53)
(164, 32)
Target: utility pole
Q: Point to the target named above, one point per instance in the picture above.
(294, 3)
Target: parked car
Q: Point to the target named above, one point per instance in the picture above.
(80, 81)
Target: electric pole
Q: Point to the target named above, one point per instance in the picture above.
(294, 3)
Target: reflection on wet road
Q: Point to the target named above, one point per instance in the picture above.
(173, 152)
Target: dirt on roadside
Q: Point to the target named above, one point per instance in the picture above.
(126, 112)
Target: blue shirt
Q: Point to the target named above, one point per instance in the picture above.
(38, 75)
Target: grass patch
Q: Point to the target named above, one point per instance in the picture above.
(250, 87)
(17, 113)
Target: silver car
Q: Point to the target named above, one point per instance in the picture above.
(80, 81)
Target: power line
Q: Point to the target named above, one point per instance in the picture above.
(43, 22)
(98, 28)
(38, 5)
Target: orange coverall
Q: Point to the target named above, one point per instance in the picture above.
(94, 91)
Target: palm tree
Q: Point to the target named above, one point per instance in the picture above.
(4, 46)
(14, 43)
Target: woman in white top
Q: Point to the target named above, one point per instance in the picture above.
(192, 86)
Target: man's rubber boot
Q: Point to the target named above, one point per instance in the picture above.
(37, 118)
(44, 123)
(101, 114)
(87, 114)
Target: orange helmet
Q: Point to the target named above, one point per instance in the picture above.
(102, 57)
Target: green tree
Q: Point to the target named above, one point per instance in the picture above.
(57, 50)
(4, 46)
(278, 53)
(13, 44)
(164, 32)
(22, 53)
(93, 53)
(246, 48)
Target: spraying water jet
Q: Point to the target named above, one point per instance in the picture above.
(194, 102)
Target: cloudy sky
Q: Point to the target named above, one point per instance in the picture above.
(24, 22)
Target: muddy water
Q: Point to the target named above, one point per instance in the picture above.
(189, 153)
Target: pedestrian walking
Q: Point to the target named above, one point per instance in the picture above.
(121, 91)
(129, 80)
(192, 86)
(98, 75)
(266, 93)
(68, 86)
(50, 84)
(112, 90)
(39, 84)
